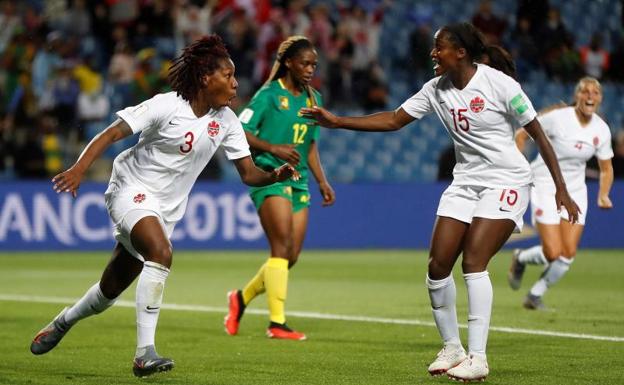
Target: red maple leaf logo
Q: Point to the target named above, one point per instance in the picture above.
(596, 141)
(139, 198)
(213, 128)
(539, 212)
(477, 104)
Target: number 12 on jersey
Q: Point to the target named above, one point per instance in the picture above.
(300, 132)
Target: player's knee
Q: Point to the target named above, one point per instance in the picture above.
(552, 252)
(437, 269)
(473, 265)
(293, 259)
(162, 254)
(569, 252)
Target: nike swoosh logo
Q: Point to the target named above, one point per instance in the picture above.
(441, 101)
(502, 209)
(152, 308)
(171, 123)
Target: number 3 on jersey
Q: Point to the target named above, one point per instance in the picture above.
(300, 132)
(188, 144)
(460, 120)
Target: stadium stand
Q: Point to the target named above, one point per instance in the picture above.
(91, 58)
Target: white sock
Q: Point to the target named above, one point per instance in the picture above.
(480, 296)
(532, 256)
(553, 273)
(442, 294)
(93, 302)
(149, 295)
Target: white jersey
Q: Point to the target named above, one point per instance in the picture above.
(480, 119)
(173, 149)
(574, 145)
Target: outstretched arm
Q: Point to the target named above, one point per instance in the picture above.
(606, 181)
(562, 197)
(253, 176)
(69, 180)
(314, 162)
(380, 121)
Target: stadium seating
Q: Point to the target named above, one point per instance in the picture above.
(412, 153)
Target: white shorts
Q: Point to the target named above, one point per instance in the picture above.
(466, 202)
(544, 207)
(126, 208)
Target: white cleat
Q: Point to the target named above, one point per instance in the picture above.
(450, 356)
(472, 369)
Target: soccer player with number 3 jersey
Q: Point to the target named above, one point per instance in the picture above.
(577, 133)
(479, 107)
(149, 187)
(277, 132)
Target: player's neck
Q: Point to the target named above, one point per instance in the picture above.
(462, 76)
(582, 118)
(292, 86)
(201, 106)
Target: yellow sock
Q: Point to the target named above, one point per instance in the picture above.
(276, 283)
(255, 287)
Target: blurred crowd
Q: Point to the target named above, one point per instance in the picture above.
(68, 65)
(539, 39)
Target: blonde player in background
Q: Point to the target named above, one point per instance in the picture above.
(478, 106)
(149, 187)
(276, 133)
(577, 133)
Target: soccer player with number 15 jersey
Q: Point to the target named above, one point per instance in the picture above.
(479, 107)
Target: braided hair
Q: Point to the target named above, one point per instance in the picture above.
(288, 49)
(466, 36)
(199, 59)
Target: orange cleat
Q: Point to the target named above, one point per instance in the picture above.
(236, 310)
(283, 332)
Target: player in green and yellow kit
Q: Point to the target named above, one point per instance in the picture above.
(276, 133)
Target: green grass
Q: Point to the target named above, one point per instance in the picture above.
(387, 284)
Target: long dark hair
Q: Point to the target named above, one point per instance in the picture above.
(468, 37)
(497, 57)
(199, 59)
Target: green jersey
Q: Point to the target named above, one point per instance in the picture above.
(273, 116)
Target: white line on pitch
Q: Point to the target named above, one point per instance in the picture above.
(313, 315)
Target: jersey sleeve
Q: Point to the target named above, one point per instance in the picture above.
(235, 143)
(251, 117)
(146, 115)
(604, 150)
(420, 104)
(517, 103)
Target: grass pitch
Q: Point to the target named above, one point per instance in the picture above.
(330, 294)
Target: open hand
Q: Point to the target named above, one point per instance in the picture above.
(563, 199)
(67, 181)
(320, 116)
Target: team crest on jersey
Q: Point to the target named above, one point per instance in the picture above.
(539, 212)
(477, 104)
(213, 129)
(596, 141)
(283, 103)
(139, 198)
